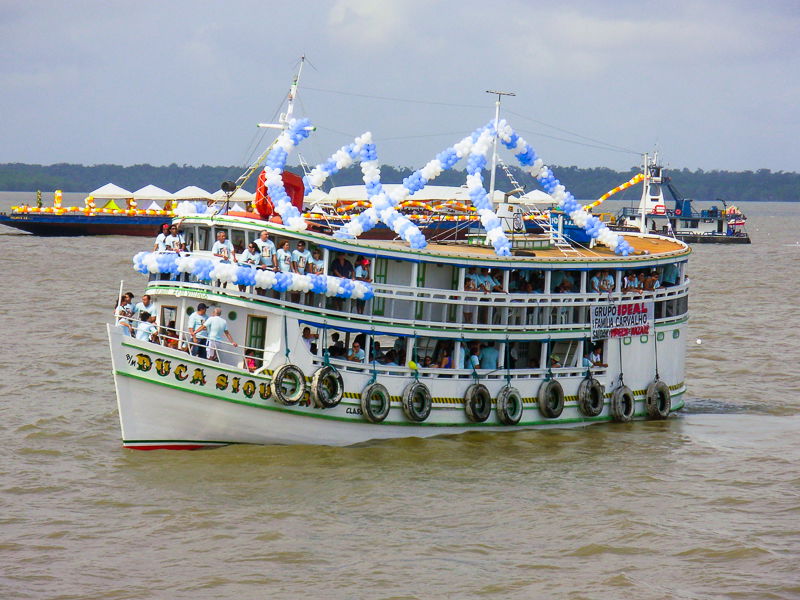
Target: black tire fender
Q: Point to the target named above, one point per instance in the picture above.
(417, 401)
(623, 404)
(591, 397)
(658, 400)
(551, 399)
(327, 387)
(375, 402)
(477, 403)
(288, 384)
(509, 405)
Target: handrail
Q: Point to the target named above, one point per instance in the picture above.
(185, 343)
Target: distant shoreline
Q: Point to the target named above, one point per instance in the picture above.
(705, 186)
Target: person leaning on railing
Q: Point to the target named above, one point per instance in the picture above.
(217, 327)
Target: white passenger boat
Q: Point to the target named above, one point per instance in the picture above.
(405, 337)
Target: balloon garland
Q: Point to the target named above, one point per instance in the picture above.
(204, 269)
(298, 130)
(527, 158)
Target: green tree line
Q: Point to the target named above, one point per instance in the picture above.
(584, 183)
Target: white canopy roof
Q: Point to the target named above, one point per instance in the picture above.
(536, 197)
(153, 206)
(152, 192)
(192, 192)
(241, 195)
(111, 191)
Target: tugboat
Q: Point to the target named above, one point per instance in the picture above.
(717, 225)
(323, 336)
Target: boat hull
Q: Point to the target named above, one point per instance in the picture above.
(169, 400)
(79, 225)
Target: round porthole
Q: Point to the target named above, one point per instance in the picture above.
(643, 338)
(231, 316)
(676, 333)
(626, 341)
(189, 310)
(660, 336)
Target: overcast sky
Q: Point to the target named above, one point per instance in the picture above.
(710, 84)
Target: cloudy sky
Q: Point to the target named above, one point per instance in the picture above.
(710, 84)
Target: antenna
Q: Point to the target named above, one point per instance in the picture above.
(494, 151)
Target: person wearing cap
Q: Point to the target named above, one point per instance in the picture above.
(362, 274)
(161, 239)
(199, 336)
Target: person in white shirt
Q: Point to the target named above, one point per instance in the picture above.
(284, 256)
(174, 242)
(217, 327)
(223, 248)
(161, 245)
(144, 306)
(146, 330)
(300, 258)
(317, 264)
(267, 248)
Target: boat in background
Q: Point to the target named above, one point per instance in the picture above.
(112, 210)
(725, 225)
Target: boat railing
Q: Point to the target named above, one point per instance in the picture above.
(499, 374)
(451, 309)
(182, 341)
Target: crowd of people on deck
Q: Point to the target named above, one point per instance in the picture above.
(207, 335)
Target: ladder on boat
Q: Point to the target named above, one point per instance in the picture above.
(556, 237)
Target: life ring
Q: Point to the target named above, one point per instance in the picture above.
(288, 384)
(658, 400)
(375, 402)
(551, 399)
(591, 397)
(477, 403)
(623, 404)
(327, 387)
(509, 405)
(659, 209)
(417, 402)
(678, 211)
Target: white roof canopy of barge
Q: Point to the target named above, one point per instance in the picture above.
(430, 192)
(152, 192)
(111, 191)
(192, 192)
(241, 194)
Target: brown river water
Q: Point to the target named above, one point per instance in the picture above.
(703, 505)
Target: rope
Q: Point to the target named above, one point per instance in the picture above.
(286, 337)
(549, 374)
(326, 355)
(655, 343)
(621, 382)
(589, 366)
(508, 363)
(414, 358)
(374, 377)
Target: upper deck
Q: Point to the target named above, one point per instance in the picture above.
(529, 251)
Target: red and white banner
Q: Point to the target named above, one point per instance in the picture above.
(622, 320)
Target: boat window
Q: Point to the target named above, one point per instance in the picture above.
(168, 315)
(388, 350)
(238, 240)
(189, 236)
(527, 281)
(433, 353)
(565, 353)
(525, 355)
(565, 282)
(202, 239)
(256, 336)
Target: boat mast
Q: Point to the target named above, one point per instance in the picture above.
(494, 150)
(645, 195)
(283, 123)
